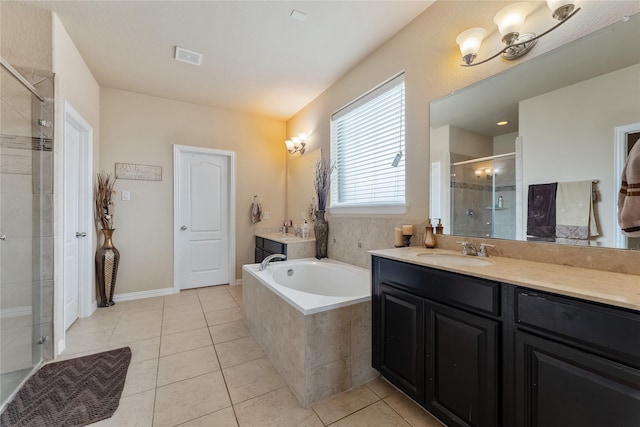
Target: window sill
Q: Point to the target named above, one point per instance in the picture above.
(369, 210)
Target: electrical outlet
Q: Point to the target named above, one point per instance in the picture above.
(303, 215)
(265, 215)
(126, 195)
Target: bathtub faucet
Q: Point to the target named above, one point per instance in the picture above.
(265, 262)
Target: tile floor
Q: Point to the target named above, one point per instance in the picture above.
(195, 363)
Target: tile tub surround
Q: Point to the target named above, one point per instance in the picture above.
(318, 355)
(616, 289)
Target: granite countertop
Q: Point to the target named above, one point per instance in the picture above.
(287, 238)
(617, 289)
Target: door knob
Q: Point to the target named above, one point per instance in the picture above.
(79, 234)
(3, 237)
(184, 227)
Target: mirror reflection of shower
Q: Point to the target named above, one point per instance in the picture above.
(483, 195)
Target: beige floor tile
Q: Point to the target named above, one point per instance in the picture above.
(186, 322)
(189, 399)
(134, 411)
(225, 315)
(92, 325)
(222, 418)
(377, 415)
(252, 379)
(183, 341)
(139, 332)
(236, 292)
(141, 377)
(188, 364)
(344, 404)
(278, 408)
(89, 343)
(180, 310)
(238, 351)
(381, 387)
(211, 289)
(213, 301)
(140, 350)
(183, 298)
(229, 331)
(138, 305)
(133, 318)
(413, 413)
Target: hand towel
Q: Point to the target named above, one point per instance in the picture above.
(541, 210)
(629, 196)
(256, 211)
(575, 215)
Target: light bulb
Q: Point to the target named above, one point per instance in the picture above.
(561, 8)
(511, 18)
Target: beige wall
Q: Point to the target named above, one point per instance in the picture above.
(567, 136)
(142, 129)
(427, 51)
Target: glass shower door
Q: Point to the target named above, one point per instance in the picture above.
(25, 310)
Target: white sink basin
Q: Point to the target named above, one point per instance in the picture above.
(453, 260)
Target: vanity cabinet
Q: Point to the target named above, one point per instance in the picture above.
(436, 338)
(576, 363)
(475, 352)
(265, 247)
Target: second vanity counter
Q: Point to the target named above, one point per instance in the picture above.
(616, 289)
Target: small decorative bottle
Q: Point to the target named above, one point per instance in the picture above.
(500, 202)
(429, 238)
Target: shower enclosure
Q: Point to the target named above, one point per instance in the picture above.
(483, 195)
(26, 224)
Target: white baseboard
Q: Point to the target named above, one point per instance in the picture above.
(144, 294)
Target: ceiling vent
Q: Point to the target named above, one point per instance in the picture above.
(188, 56)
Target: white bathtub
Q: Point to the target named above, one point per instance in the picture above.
(313, 320)
(313, 286)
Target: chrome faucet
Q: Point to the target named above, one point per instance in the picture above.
(265, 262)
(468, 248)
(483, 249)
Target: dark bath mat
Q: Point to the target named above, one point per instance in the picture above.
(73, 392)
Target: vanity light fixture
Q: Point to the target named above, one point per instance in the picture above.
(509, 21)
(296, 144)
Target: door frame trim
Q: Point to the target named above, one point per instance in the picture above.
(178, 150)
(85, 217)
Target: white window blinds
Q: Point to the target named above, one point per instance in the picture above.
(366, 137)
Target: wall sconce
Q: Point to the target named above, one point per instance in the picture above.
(488, 173)
(296, 144)
(509, 21)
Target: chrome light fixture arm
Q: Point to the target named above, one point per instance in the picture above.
(522, 47)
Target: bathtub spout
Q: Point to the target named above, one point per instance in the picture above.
(265, 262)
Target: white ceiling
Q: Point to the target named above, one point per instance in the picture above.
(257, 59)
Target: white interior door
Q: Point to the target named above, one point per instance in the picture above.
(76, 208)
(203, 247)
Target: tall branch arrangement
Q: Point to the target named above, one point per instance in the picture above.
(103, 192)
(322, 181)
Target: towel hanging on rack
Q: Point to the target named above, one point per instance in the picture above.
(541, 210)
(629, 196)
(256, 210)
(575, 215)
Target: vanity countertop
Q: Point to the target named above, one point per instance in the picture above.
(287, 238)
(617, 289)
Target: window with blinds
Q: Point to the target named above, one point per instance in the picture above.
(367, 148)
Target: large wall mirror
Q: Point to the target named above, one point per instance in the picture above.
(571, 116)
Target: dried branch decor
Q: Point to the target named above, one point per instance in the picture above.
(103, 193)
(322, 181)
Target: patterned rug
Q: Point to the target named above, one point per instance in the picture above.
(74, 392)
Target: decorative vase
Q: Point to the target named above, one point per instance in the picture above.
(321, 230)
(107, 259)
(429, 238)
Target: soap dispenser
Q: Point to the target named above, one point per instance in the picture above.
(439, 227)
(429, 238)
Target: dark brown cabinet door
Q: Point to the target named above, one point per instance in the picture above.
(398, 345)
(559, 386)
(462, 367)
